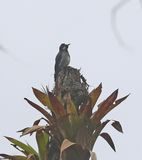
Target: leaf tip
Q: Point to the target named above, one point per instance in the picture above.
(116, 91)
(128, 95)
(100, 85)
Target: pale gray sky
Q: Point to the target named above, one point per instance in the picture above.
(32, 30)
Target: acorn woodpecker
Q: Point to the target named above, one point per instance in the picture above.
(62, 59)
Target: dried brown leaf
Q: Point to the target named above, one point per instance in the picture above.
(105, 106)
(32, 129)
(66, 144)
(93, 156)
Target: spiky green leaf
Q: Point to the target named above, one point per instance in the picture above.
(24, 147)
(42, 139)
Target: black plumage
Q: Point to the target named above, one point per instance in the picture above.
(62, 59)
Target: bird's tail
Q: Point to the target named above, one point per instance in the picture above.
(57, 70)
(55, 77)
(56, 74)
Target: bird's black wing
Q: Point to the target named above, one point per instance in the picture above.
(58, 62)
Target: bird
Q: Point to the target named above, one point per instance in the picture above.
(62, 59)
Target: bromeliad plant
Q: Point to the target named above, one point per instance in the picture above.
(71, 131)
(73, 122)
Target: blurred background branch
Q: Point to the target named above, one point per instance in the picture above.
(115, 29)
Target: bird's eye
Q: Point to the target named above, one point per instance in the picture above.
(64, 47)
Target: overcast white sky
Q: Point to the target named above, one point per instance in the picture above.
(32, 30)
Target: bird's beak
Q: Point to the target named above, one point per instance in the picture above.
(68, 44)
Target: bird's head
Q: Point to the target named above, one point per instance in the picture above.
(64, 47)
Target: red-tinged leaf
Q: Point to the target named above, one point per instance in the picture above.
(37, 107)
(117, 126)
(105, 106)
(116, 103)
(58, 108)
(107, 137)
(109, 101)
(95, 94)
(42, 97)
(93, 97)
(87, 111)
